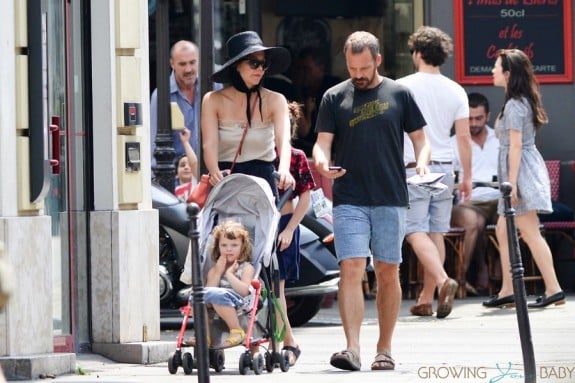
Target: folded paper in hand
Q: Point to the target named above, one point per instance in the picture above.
(321, 205)
(429, 182)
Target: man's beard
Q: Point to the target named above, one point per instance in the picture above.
(363, 82)
(475, 131)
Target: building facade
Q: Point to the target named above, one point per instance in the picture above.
(75, 217)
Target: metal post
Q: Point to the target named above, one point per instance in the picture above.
(519, 287)
(165, 171)
(206, 46)
(200, 326)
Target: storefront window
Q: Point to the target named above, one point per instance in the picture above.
(57, 199)
(404, 27)
(297, 23)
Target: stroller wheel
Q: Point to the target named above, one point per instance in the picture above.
(245, 362)
(217, 360)
(173, 363)
(187, 363)
(270, 363)
(284, 361)
(258, 363)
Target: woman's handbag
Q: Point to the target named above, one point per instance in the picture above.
(200, 192)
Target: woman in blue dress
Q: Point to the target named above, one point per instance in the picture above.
(521, 164)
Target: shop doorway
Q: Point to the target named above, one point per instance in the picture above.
(63, 101)
(56, 201)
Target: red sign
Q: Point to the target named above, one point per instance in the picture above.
(541, 28)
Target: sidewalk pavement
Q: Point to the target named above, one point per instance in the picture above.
(473, 344)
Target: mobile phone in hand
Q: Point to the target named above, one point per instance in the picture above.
(338, 168)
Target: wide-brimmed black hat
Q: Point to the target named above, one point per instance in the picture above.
(245, 43)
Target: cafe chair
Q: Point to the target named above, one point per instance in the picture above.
(557, 230)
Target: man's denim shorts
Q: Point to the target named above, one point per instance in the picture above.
(364, 230)
(427, 213)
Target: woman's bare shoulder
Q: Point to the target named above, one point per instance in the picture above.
(277, 101)
(218, 102)
(273, 95)
(218, 95)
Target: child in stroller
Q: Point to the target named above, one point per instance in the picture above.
(249, 201)
(229, 281)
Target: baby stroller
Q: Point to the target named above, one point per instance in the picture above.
(248, 200)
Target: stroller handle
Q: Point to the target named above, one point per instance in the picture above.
(286, 196)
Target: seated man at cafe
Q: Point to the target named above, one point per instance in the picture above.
(481, 209)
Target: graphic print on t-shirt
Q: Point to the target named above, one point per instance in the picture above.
(367, 111)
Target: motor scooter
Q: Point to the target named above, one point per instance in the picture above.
(319, 271)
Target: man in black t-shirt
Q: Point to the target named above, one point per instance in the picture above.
(363, 120)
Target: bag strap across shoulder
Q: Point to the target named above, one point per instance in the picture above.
(239, 151)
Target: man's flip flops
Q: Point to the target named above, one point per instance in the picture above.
(346, 360)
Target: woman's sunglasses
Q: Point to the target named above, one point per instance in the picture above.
(254, 64)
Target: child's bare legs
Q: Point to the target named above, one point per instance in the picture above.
(230, 316)
(191, 341)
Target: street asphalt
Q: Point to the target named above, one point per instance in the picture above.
(473, 344)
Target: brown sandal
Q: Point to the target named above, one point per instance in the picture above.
(383, 361)
(346, 360)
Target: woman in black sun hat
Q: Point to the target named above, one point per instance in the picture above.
(243, 123)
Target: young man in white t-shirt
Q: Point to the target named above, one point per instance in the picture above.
(444, 104)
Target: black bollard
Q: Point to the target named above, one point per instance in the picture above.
(519, 287)
(201, 350)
